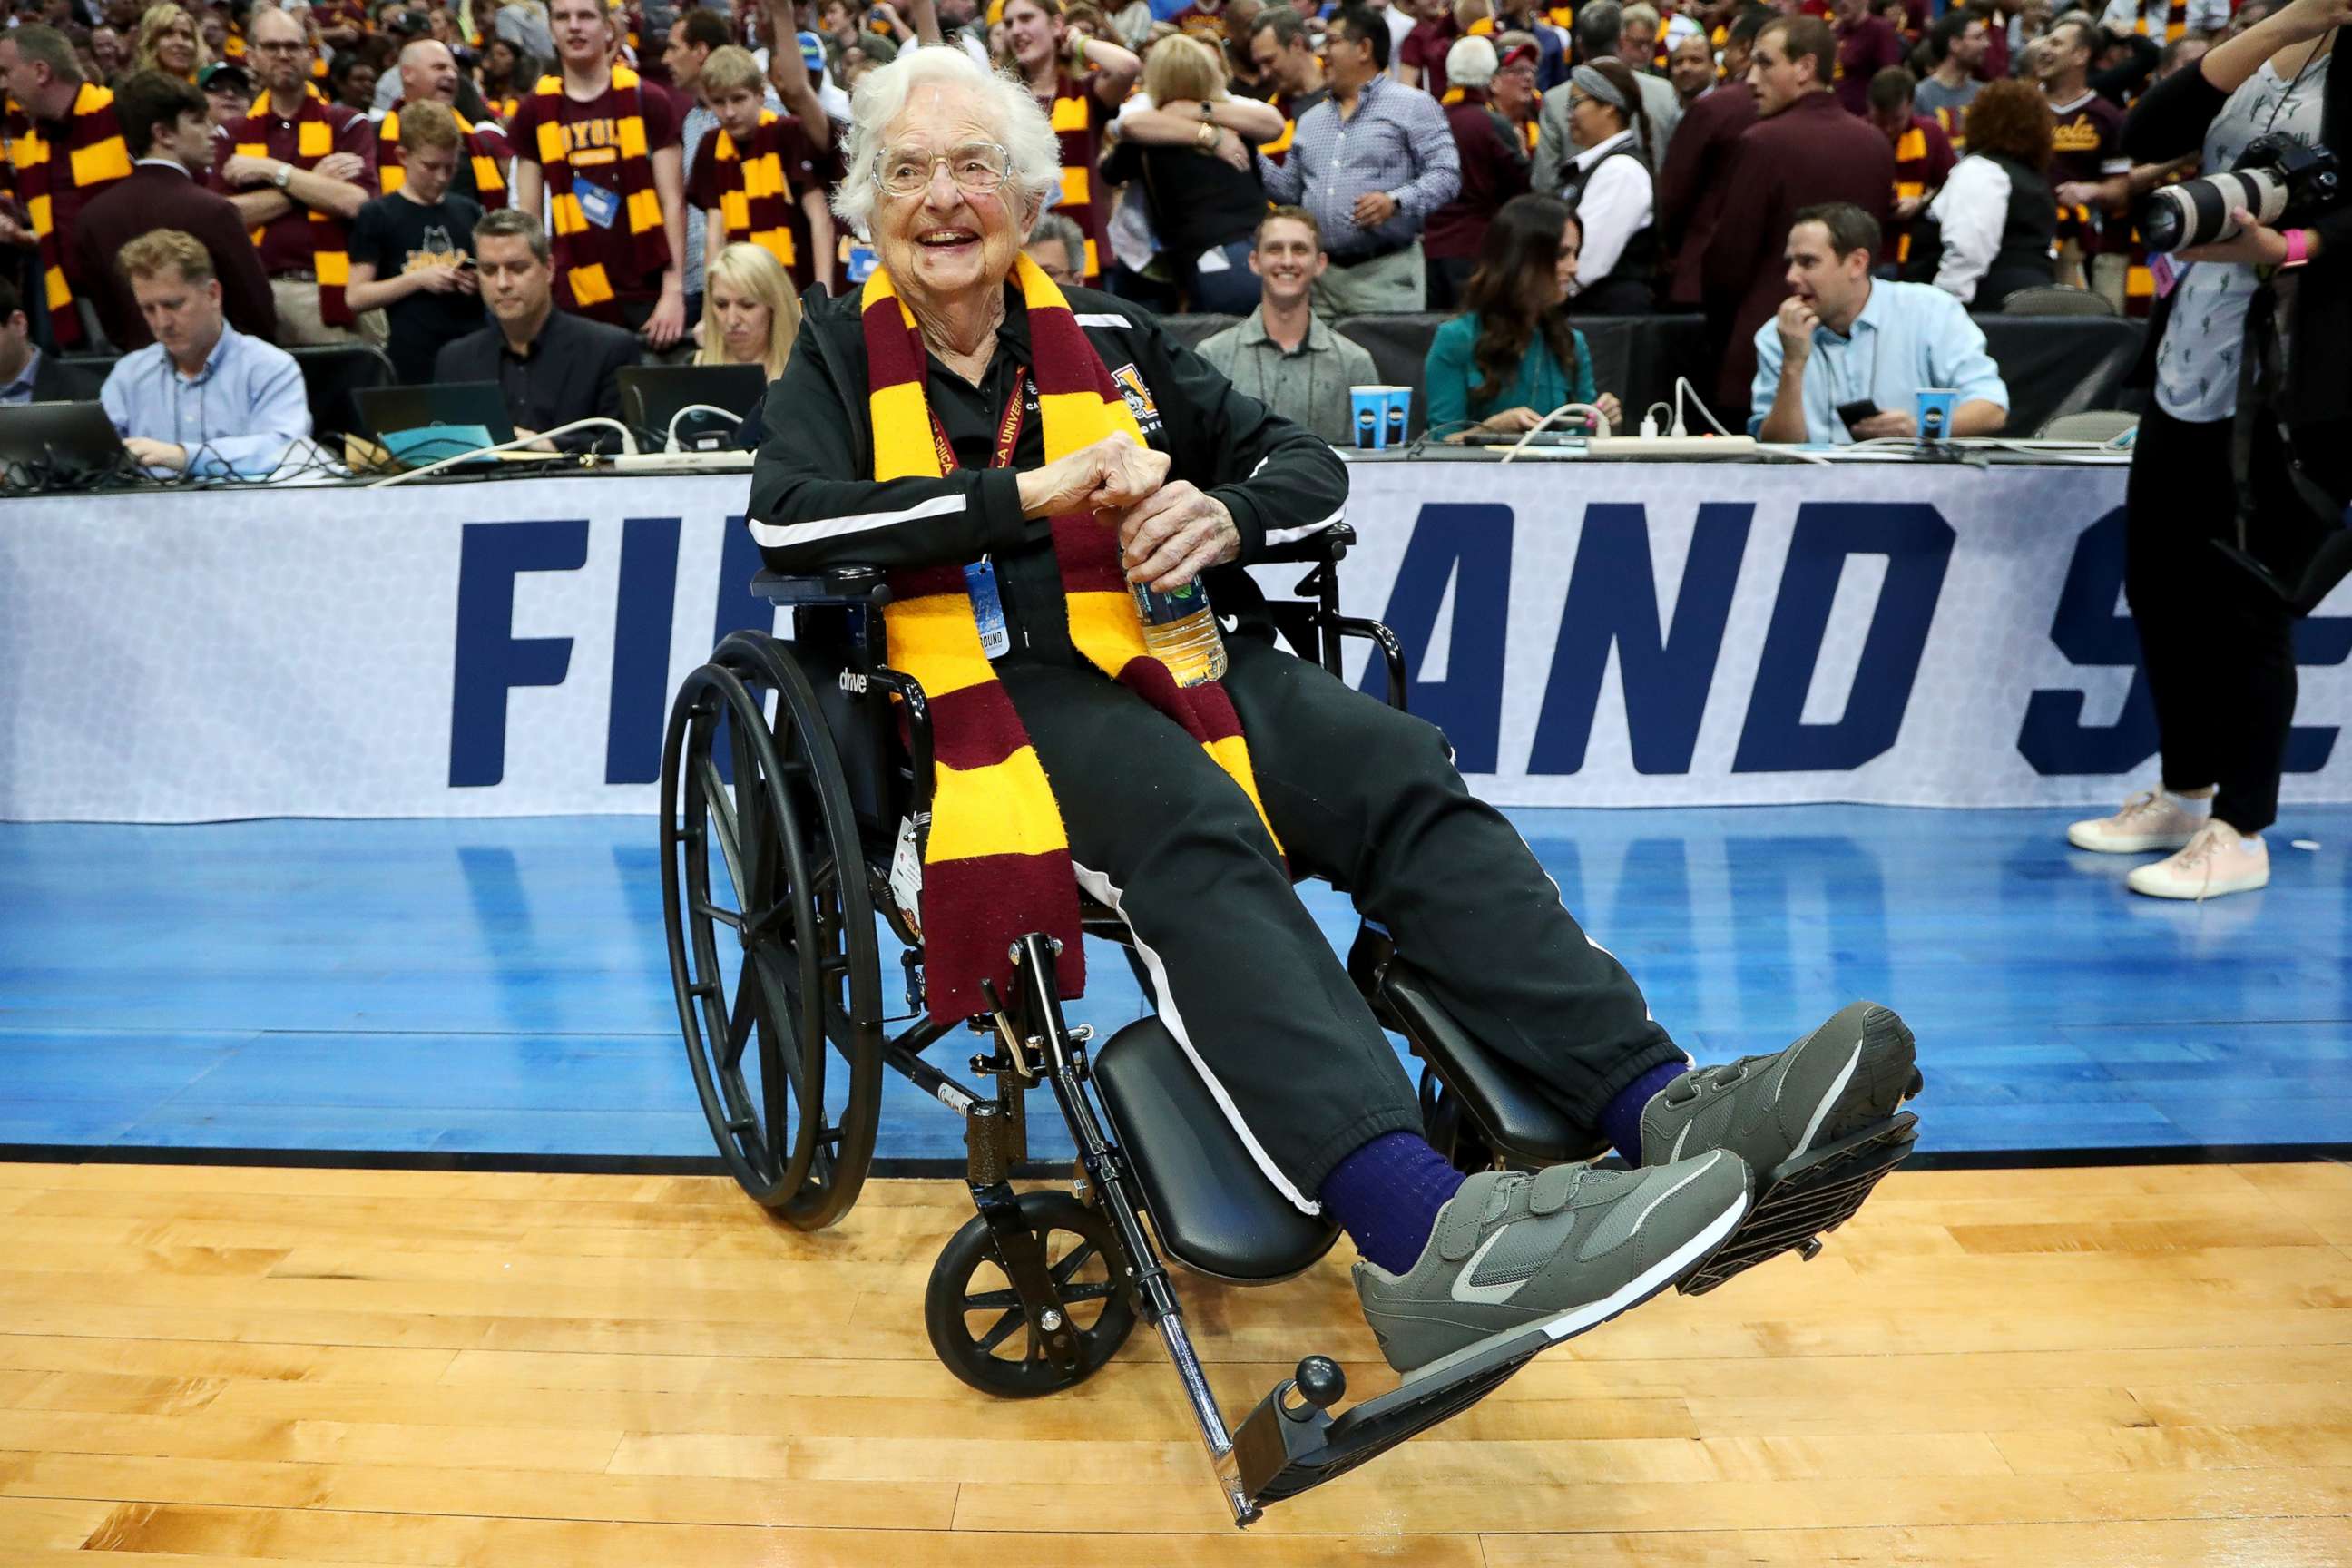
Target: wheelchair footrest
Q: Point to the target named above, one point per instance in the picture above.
(1283, 1449)
(1806, 1198)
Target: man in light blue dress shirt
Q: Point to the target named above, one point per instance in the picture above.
(203, 398)
(1842, 338)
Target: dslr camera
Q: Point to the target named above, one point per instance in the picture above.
(2279, 180)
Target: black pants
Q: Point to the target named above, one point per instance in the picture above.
(2218, 644)
(1449, 280)
(1245, 978)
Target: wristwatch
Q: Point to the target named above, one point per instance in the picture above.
(284, 177)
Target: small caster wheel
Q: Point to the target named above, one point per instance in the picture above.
(1320, 1382)
(1810, 1248)
(977, 1327)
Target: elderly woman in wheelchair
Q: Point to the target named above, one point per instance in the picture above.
(967, 472)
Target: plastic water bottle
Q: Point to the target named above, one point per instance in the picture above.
(1179, 630)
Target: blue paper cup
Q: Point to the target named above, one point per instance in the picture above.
(1398, 413)
(1369, 405)
(1935, 406)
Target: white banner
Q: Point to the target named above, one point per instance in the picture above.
(1621, 635)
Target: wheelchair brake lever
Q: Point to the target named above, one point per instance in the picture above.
(1005, 1032)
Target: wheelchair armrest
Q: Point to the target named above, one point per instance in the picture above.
(1390, 650)
(1327, 546)
(834, 585)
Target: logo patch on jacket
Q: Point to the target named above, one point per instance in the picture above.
(1139, 397)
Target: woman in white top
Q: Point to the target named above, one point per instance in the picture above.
(1608, 184)
(1996, 215)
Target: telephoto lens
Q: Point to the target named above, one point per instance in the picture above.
(2197, 212)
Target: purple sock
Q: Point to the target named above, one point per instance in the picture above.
(1386, 1196)
(1620, 1119)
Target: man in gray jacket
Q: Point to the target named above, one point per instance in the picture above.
(1599, 27)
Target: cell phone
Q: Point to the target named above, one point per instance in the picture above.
(1855, 413)
(465, 264)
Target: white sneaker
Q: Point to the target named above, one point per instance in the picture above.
(2217, 860)
(2148, 820)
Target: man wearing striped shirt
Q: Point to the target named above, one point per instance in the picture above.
(1371, 164)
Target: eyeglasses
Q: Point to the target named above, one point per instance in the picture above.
(976, 167)
(279, 46)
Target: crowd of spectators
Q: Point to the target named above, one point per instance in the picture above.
(347, 171)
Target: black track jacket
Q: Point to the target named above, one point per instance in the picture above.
(814, 503)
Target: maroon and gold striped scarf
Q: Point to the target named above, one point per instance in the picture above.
(631, 172)
(998, 863)
(754, 198)
(90, 157)
(330, 243)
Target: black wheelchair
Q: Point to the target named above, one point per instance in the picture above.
(795, 775)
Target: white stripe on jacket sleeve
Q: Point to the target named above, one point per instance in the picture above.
(783, 535)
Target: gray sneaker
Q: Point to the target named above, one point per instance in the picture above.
(1563, 1250)
(1852, 1072)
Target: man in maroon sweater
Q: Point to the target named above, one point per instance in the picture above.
(1690, 188)
(1866, 45)
(167, 128)
(1802, 151)
(1494, 169)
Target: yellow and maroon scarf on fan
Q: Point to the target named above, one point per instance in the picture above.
(489, 185)
(998, 864)
(624, 103)
(754, 197)
(91, 158)
(331, 243)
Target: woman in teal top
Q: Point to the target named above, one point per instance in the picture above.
(1513, 358)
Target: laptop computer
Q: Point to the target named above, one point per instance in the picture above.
(652, 395)
(466, 406)
(61, 444)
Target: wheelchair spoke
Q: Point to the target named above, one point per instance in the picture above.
(758, 926)
(739, 1030)
(720, 802)
(1100, 1291)
(1001, 1330)
(724, 917)
(984, 1300)
(1079, 1258)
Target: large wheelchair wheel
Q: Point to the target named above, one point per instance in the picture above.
(771, 925)
(974, 1315)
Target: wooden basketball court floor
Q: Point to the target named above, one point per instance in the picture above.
(215, 1366)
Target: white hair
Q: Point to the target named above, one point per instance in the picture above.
(1017, 121)
(1471, 62)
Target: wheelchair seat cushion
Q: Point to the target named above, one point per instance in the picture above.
(1213, 1208)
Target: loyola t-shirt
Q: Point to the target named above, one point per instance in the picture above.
(399, 236)
(591, 139)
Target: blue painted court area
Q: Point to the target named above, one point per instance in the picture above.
(500, 986)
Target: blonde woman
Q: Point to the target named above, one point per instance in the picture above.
(749, 314)
(168, 42)
(1189, 151)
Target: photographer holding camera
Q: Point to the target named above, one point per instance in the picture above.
(2249, 440)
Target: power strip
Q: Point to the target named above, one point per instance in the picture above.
(1635, 448)
(729, 462)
